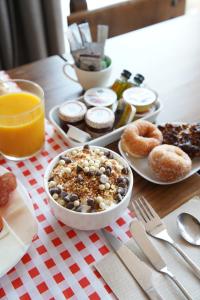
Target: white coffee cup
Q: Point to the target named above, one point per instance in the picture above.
(89, 79)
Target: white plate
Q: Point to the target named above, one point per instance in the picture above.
(140, 165)
(12, 247)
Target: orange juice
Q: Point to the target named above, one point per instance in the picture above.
(21, 124)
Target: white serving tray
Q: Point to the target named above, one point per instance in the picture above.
(140, 166)
(105, 139)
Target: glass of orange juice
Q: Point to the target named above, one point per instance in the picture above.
(21, 119)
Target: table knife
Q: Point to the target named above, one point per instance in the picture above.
(137, 268)
(141, 238)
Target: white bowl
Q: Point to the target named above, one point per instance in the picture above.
(82, 220)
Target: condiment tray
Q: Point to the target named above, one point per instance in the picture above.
(140, 166)
(105, 139)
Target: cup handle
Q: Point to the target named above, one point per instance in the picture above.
(65, 72)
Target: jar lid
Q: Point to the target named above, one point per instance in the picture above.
(126, 74)
(138, 96)
(99, 117)
(72, 111)
(100, 97)
(139, 78)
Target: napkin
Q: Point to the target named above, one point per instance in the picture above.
(11, 249)
(125, 287)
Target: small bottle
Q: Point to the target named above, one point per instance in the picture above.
(138, 80)
(121, 84)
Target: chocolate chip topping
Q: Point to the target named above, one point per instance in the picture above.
(108, 154)
(118, 197)
(79, 208)
(67, 198)
(90, 202)
(125, 171)
(120, 179)
(86, 147)
(63, 194)
(55, 190)
(121, 191)
(50, 179)
(66, 159)
(79, 169)
(70, 205)
(90, 173)
(108, 171)
(122, 184)
(98, 173)
(73, 197)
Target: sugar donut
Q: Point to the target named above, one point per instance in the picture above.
(169, 163)
(140, 137)
(1, 223)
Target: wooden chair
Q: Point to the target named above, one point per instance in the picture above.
(129, 15)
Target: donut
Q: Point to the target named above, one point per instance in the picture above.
(140, 137)
(169, 163)
(1, 223)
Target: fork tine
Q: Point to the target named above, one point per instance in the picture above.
(143, 208)
(149, 208)
(139, 212)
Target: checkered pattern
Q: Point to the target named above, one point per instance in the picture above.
(59, 263)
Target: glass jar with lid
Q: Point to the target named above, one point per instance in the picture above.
(99, 120)
(73, 113)
(100, 96)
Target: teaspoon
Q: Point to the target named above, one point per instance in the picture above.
(189, 228)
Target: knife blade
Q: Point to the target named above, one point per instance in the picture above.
(137, 268)
(140, 236)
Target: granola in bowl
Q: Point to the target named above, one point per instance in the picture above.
(88, 179)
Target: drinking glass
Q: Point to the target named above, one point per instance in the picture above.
(21, 119)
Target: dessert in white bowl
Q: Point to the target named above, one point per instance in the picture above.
(88, 187)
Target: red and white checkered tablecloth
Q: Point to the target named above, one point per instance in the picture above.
(58, 264)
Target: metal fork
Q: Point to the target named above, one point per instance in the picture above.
(156, 228)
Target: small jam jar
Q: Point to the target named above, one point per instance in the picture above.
(142, 98)
(72, 112)
(99, 120)
(100, 97)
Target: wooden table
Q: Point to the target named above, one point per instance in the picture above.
(48, 73)
(168, 55)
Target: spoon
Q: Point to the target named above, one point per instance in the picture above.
(189, 228)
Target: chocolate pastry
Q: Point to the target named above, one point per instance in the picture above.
(184, 136)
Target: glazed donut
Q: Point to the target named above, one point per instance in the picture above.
(140, 137)
(169, 163)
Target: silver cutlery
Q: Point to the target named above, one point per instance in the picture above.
(189, 228)
(143, 241)
(137, 268)
(156, 228)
